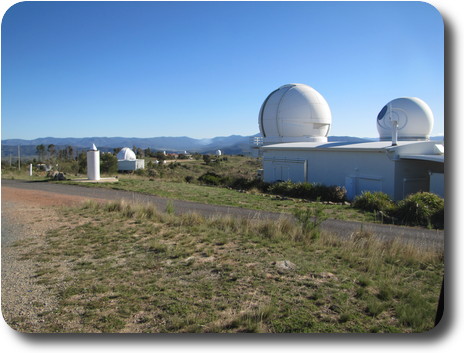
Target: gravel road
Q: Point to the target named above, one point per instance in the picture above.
(22, 296)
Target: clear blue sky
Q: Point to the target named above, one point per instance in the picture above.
(146, 69)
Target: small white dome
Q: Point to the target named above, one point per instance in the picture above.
(295, 112)
(126, 154)
(414, 116)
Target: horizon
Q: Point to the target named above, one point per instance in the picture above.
(204, 68)
(193, 138)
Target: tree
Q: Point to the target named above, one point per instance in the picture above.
(139, 153)
(108, 163)
(148, 152)
(82, 162)
(207, 159)
(69, 152)
(40, 151)
(160, 156)
(51, 150)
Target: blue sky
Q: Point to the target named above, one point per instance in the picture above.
(146, 69)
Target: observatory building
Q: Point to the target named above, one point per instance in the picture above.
(127, 161)
(295, 120)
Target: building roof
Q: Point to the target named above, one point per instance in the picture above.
(418, 150)
(126, 154)
(338, 145)
(426, 157)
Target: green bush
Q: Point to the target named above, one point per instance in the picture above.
(241, 183)
(309, 191)
(329, 193)
(374, 201)
(108, 163)
(282, 188)
(421, 209)
(141, 172)
(210, 178)
(310, 219)
(152, 173)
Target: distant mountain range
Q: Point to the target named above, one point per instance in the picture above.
(234, 144)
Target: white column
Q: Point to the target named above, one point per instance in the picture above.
(93, 164)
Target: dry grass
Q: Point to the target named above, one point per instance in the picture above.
(132, 268)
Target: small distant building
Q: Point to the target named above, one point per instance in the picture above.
(127, 161)
(295, 120)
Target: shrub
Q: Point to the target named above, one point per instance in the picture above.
(241, 183)
(308, 191)
(310, 219)
(210, 178)
(421, 209)
(141, 172)
(281, 188)
(108, 163)
(329, 193)
(374, 201)
(207, 159)
(152, 173)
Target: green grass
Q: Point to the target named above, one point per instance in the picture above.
(227, 197)
(131, 268)
(170, 182)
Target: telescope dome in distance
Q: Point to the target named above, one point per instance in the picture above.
(126, 154)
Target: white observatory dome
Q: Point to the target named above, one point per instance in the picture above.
(295, 112)
(414, 116)
(126, 154)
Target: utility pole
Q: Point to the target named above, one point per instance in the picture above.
(19, 157)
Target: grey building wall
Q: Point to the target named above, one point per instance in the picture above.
(357, 171)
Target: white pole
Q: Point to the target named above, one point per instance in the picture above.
(394, 132)
(93, 164)
(19, 157)
(394, 122)
(30, 169)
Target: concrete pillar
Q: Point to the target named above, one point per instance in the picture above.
(93, 164)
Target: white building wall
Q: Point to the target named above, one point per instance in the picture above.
(131, 165)
(140, 164)
(357, 171)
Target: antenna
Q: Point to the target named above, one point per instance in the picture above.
(394, 122)
(19, 157)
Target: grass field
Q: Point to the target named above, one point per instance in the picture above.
(118, 267)
(169, 180)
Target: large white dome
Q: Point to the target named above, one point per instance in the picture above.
(295, 112)
(126, 154)
(414, 116)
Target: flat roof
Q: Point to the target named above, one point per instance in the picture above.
(337, 145)
(440, 158)
(412, 150)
